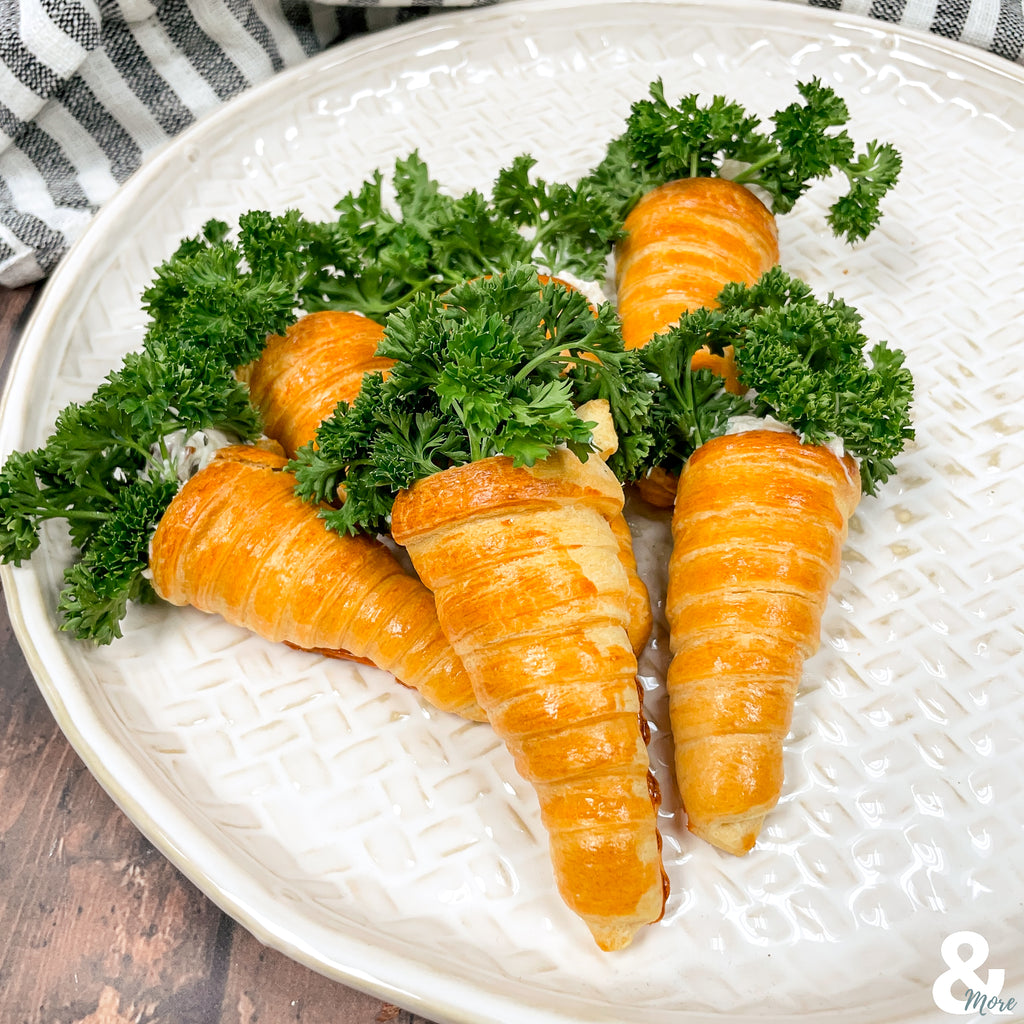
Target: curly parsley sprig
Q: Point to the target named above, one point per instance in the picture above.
(808, 141)
(417, 239)
(225, 294)
(498, 366)
(387, 243)
(105, 471)
(805, 363)
(568, 227)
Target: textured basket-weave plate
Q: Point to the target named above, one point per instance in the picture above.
(393, 847)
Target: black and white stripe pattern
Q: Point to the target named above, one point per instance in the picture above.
(89, 87)
(993, 25)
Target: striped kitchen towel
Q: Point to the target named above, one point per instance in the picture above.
(89, 87)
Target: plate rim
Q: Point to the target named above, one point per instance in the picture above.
(70, 709)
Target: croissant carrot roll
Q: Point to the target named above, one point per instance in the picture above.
(301, 375)
(320, 360)
(685, 240)
(758, 529)
(531, 592)
(237, 542)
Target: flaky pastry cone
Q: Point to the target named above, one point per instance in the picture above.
(639, 614)
(236, 541)
(758, 529)
(685, 240)
(301, 375)
(638, 601)
(532, 594)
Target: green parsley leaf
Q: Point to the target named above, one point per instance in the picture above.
(805, 362)
(571, 228)
(497, 366)
(425, 241)
(690, 406)
(99, 586)
(808, 142)
(104, 468)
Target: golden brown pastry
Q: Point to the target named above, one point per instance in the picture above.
(531, 592)
(236, 541)
(606, 441)
(758, 530)
(640, 617)
(686, 240)
(302, 375)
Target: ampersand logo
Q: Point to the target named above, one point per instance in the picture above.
(981, 996)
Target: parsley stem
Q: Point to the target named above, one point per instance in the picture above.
(132, 445)
(96, 489)
(751, 172)
(476, 443)
(689, 401)
(541, 230)
(553, 355)
(382, 309)
(73, 515)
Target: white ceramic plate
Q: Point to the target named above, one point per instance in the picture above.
(393, 847)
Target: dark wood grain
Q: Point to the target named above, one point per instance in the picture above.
(96, 926)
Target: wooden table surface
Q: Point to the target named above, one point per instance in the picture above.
(96, 926)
